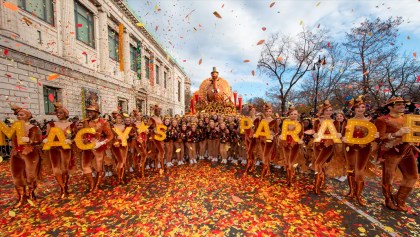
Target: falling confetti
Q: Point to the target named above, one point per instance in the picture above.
(200, 61)
(272, 4)
(253, 73)
(301, 22)
(217, 14)
(264, 29)
(319, 3)
(53, 76)
(260, 42)
(51, 97)
(27, 21)
(247, 61)
(279, 59)
(79, 25)
(414, 54)
(10, 6)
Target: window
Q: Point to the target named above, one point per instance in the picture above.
(165, 77)
(157, 74)
(123, 105)
(48, 93)
(146, 63)
(179, 91)
(43, 9)
(113, 44)
(133, 58)
(84, 24)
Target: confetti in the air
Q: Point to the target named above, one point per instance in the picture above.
(260, 42)
(217, 14)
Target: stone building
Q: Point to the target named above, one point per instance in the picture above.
(80, 51)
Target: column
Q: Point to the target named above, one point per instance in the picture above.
(103, 40)
(9, 19)
(68, 26)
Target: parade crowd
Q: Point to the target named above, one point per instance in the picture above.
(218, 138)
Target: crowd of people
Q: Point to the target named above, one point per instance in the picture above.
(219, 138)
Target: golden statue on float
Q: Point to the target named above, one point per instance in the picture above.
(215, 95)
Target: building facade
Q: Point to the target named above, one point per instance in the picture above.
(83, 51)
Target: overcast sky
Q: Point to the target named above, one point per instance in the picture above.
(189, 31)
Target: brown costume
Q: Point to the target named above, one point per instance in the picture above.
(357, 158)
(323, 150)
(25, 160)
(396, 154)
(120, 152)
(290, 150)
(60, 158)
(155, 120)
(103, 135)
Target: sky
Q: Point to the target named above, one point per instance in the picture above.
(198, 40)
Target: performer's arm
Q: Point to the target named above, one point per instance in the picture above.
(108, 132)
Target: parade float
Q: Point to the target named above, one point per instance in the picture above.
(215, 96)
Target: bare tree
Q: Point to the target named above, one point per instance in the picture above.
(288, 59)
(369, 46)
(332, 81)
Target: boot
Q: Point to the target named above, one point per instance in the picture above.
(323, 185)
(400, 198)
(59, 179)
(31, 192)
(387, 191)
(359, 188)
(350, 179)
(91, 182)
(21, 196)
(317, 184)
(66, 184)
(265, 170)
(289, 177)
(98, 181)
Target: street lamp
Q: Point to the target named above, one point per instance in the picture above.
(317, 66)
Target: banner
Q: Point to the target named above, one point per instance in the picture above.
(121, 46)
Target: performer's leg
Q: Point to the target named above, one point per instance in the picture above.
(267, 152)
(389, 166)
(160, 153)
(31, 170)
(351, 156)
(99, 160)
(361, 162)
(324, 154)
(294, 152)
(87, 157)
(250, 167)
(17, 165)
(409, 170)
(55, 158)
